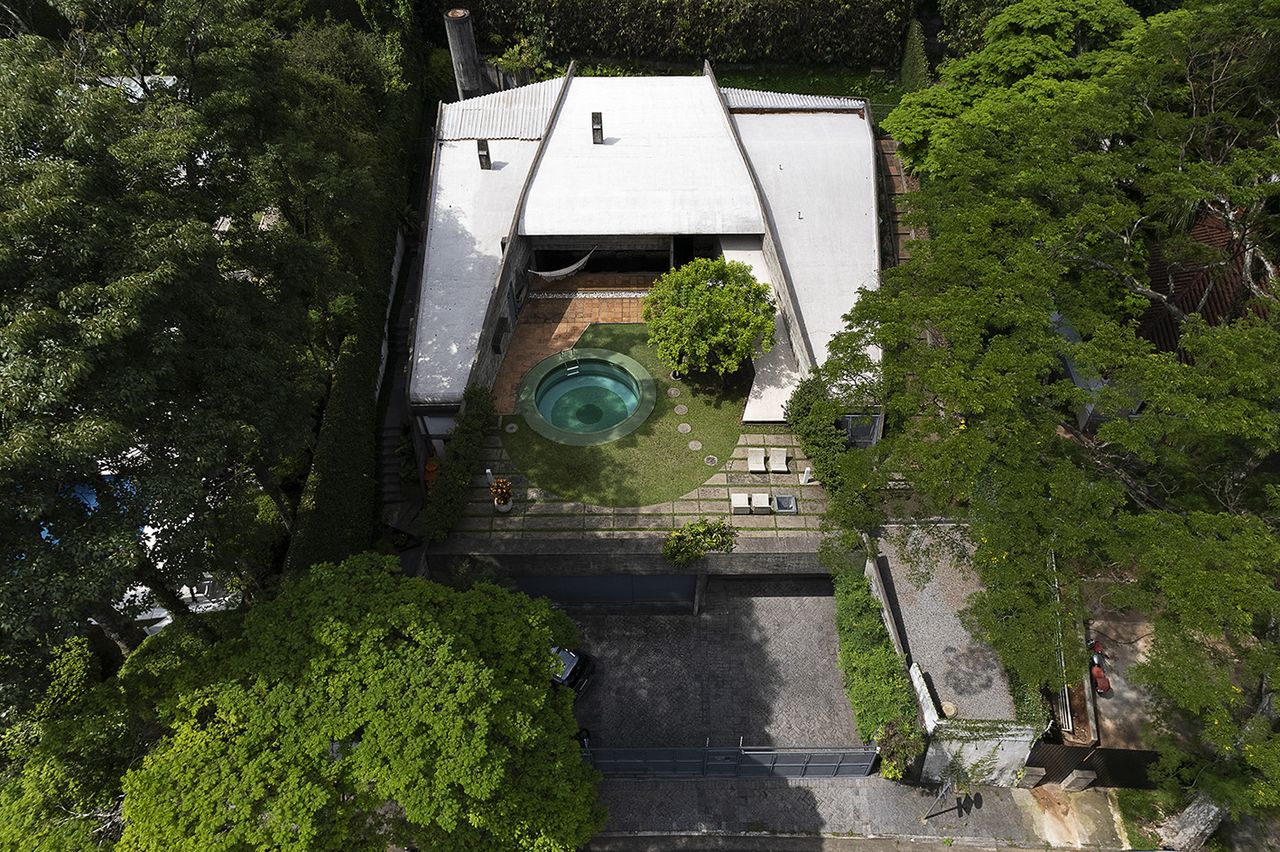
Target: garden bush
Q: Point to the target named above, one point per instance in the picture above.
(913, 73)
(875, 679)
(463, 458)
(860, 34)
(696, 539)
(338, 512)
(812, 415)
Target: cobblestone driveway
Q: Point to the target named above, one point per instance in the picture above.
(759, 663)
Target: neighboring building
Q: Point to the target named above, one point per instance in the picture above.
(626, 173)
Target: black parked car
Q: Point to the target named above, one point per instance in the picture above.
(575, 669)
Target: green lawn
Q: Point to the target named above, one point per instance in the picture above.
(654, 463)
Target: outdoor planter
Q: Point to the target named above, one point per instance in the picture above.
(500, 489)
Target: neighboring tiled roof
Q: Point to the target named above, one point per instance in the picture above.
(1223, 285)
(750, 99)
(514, 114)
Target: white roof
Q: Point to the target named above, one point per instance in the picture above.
(471, 212)
(514, 114)
(817, 171)
(669, 164)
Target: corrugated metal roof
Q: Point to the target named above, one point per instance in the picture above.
(750, 99)
(514, 114)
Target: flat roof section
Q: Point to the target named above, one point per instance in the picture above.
(668, 165)
(931, 576)
(471, 212)
(817, 172)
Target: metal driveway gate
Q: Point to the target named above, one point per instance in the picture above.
(741, 762)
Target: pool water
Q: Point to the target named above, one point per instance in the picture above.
(599, 396)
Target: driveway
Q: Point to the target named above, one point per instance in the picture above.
(759, 665)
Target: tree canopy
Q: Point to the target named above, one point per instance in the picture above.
(187, 194)
(356, 709)
(709, 315)
(1094, 468)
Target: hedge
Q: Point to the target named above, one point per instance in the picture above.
(859, 34)
(913, 74)
(463, 459)
(338, 512)
(883, 700)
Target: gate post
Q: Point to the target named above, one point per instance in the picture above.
(699, 590)
(1079, 779)
(1031, 776)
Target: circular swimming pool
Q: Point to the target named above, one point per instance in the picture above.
(586, 396)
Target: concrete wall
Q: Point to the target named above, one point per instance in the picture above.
(787, 304)
(512, 279)
(988, 752)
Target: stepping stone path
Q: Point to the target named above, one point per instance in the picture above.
(673, 392)
(682, 409)
(512, 427)
(684, 428)
(711, 461)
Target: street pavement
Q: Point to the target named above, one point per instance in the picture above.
(776, 809)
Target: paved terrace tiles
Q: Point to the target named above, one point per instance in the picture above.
(551, 325)
(541, 515)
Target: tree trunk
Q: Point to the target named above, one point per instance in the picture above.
(1191, 829)
(271, 488)
(124, 633)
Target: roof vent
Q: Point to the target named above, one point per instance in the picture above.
(597, 128)
(482, 148)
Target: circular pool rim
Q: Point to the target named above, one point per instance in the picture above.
(527, 399)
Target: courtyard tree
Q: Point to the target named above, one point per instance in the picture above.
(360, 709)
(709, 316)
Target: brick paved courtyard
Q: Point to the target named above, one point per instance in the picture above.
(759, 663)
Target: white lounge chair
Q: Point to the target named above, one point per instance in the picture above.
(760, 504)
(778, 460)
(740, 503)
(755, 460)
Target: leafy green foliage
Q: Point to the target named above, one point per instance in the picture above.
(875, 679)
(823, 31)
(464, 455)
(359, 709)
(913, 71)
(709, 316)
(188, 276)
(694, 540)
(59, 787)
(1076, 143)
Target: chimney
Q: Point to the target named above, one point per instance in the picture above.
(467, 68)
(597, 128)
(482, 148)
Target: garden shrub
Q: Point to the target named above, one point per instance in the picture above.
(883, 700)
(860, 34)
(812, 415)
(463, 459)
(913, 74)
(696, 539)
(338, 511)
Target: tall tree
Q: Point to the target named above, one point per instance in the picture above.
(1078, 141)
(359, 709)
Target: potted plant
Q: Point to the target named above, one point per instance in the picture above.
(501, 490)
